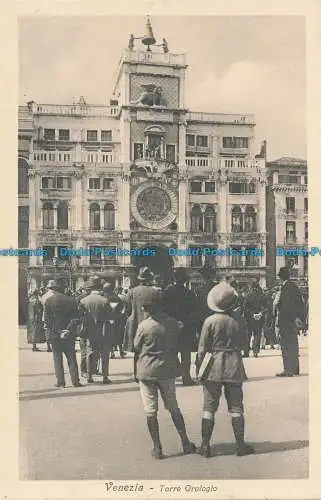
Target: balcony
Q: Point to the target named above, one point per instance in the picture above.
(290, 240)
(221, 118)
(204, 237)
(245, 238)
(138, 56)
(292, 214)
(240, 164)
(79, 110)
(54, 157)
(199, 161)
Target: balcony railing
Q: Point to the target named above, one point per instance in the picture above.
(54, 157)
(221, 118)
(154, 57)
(75, 110)
(290, 240)
(198, 161)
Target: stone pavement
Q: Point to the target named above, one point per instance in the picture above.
(99, 432)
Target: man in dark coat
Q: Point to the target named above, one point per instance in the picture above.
(183, 305)
(223, 336)
(136, 296)
(254, 308)
(117, 319)
(290, 315)
(95, 312)
(60, 321)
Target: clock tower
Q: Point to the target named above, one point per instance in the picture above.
(149, 91)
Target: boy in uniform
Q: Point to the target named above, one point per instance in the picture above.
(223, 335)
(156, 345)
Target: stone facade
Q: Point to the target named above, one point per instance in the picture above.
(144, 172)
(287, 217)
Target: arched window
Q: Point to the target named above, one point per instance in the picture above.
(237, 220)
(23, 184)
(196, 219)
(250, 220)
(94, 216)
(109, 216)
(62, 215)
(209, 220)
(48, 216)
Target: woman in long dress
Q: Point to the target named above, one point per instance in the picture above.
(35, 333)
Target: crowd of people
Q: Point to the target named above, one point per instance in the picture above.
(221, 322)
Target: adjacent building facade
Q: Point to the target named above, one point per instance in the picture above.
(287, 217)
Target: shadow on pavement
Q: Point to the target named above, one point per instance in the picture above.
(259, 379)
(228, 449)
(70, 391)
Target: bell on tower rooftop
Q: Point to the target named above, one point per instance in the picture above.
(149, 38)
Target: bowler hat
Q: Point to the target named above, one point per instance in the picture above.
(52, 284)
(94, 282)
(221, 297)
(284, 273)
(145, 274)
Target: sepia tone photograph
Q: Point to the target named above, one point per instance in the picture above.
(163, 248)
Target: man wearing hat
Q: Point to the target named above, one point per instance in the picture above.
(60, 320)
(51, 285)
(96, 314)
(136, 296)
(254, 309)
(223, 336)
(183, 305)
(117, 321)
(289, 307)
(156, 344)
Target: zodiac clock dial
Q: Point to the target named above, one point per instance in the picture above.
(153, 207)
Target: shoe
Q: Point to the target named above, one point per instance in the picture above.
(49, 349)
(61, 384)
(189, 448)
(188, 382)
(136, 380)
(272, 347)
(157, 452)
(106, 381)
(245, 355)
(112, 356)
(205, 450)
(123, 354)
(35, 349)
(284, 374)
(78, 384)
(90, 380)
(245, 449)
(255, 354)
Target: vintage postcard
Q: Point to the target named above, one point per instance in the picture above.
(160, 250)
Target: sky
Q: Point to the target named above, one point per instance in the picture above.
(237, 64)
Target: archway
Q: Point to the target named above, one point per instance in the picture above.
(161, 264)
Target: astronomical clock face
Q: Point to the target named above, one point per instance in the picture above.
(153, 207)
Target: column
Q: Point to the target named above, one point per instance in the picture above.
(101, 204)
(181, 143)
(223, 215)
(32, 200)
(124, 128)
(123, 213)
(182, 205)
(182, 89)
(55, 217)
(261, 205)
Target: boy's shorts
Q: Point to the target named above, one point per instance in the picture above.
(233, 395)
(149, 393)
